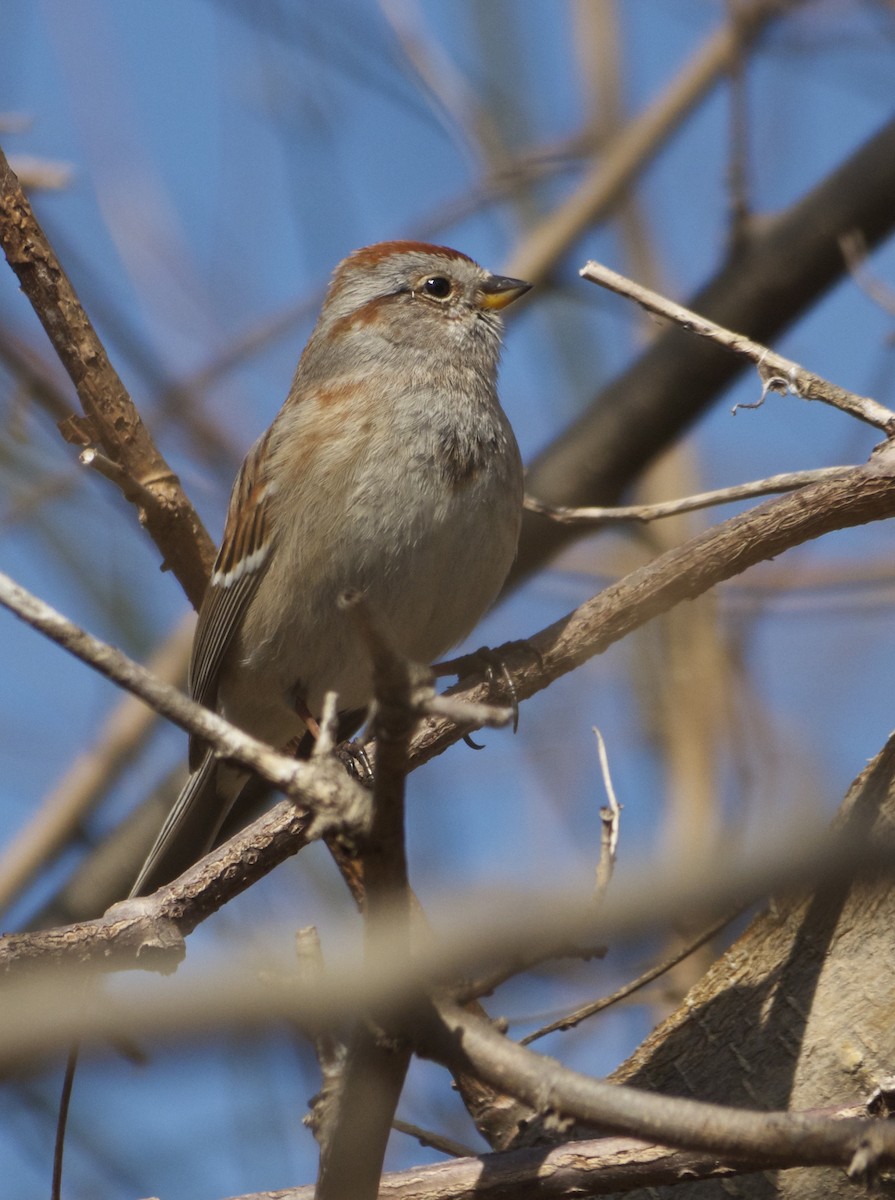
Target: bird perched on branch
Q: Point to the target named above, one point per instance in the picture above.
(391, 470)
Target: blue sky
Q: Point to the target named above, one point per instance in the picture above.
(224, 156)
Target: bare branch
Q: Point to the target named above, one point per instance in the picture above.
(854, 251)
(777, 373)
(773, 485)
(570, 1020)
(602, 1167)
(164, 509)
(428, 1137)
(765, 1138)
(293, 778)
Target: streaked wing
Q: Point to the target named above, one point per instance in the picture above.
(242, 558)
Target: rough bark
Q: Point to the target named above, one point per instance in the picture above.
(797, 1013)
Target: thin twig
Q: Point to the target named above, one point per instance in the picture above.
(777, 373)
(136, 492)
(465, 712)
(570, 1020)
(228, 741)
(854, 250)
(42, 174)
(438, 1141)
(789, 481)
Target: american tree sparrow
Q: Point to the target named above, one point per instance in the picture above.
(391, 469)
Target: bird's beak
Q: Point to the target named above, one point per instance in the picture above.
(499, 290)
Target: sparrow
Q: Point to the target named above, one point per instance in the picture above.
(390, 471)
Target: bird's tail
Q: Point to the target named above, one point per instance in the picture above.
(192, 824)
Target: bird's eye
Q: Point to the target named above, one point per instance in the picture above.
(437, 287)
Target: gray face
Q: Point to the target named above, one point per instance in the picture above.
(413, 295)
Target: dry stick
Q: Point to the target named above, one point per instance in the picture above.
(428, 1137)
(570, 1020)
(355, 1135)
(302, 781)
(113, 420)
(789, 481)
(777, 373)
(59, 814)
(854, 251)
(42, 174)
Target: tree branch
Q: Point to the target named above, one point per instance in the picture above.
(788, 263)
(777, 373)
(354, 1136)
(602, 1167)
(761, 1138)
(591, 516)
(114, 422)
(865, 494)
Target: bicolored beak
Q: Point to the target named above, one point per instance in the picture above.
(499, 290)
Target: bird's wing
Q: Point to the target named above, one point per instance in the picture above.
(238, 569)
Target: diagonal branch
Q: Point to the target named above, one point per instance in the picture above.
(593, 516)
(229, 742)
(114, 422)
(777, 373)
(787, 264)
(865, 494)
(778, 1138)
(601, 1167)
